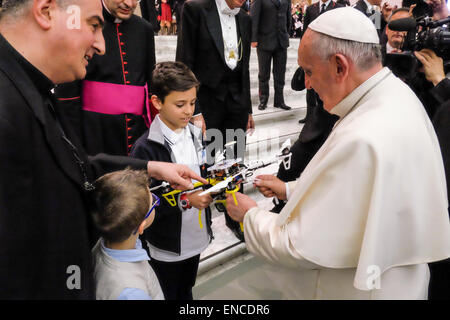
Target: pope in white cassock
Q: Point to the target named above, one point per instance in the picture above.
(370, 209)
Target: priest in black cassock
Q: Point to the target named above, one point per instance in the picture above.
(45, 178)
(110, 108)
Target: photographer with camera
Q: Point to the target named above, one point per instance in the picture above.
(433, 69)
(433, 88)
(423, 37)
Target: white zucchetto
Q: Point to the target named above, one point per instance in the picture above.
(346, 23)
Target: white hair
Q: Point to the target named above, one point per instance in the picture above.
(363, 55)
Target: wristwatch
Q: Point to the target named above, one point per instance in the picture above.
(184, 202)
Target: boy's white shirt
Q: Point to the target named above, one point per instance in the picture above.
(193, 238)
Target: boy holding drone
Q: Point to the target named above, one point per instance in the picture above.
(179, 233)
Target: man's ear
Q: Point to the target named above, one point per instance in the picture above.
(341, 66)
(42, 11)
(156, 102)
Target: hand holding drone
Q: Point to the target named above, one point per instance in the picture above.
(225, 177)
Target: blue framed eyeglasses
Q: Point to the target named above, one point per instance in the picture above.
(156, 202)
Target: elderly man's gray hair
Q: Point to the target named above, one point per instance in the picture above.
(363, 55)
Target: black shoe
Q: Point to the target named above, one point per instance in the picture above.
(282, 106)
(262, 106)
(302, 120)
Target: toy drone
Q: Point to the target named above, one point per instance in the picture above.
(225, 177)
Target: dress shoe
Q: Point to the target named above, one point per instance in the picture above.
(282, 106)
(262, 106)
(302, 120)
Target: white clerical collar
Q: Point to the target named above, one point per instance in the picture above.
(225, 9)
(117, 20)
(171, 136)
(350, 101)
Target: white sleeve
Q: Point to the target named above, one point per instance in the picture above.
(265, 239)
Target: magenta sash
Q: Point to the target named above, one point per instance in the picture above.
(111, 98)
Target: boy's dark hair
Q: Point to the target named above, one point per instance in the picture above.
(119, 203)
(172, 76)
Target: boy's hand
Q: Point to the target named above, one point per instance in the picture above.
(179, 176)
(199, 202)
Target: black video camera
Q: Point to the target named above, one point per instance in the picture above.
(422, 32)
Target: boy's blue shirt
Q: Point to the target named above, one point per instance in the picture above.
(133, 255)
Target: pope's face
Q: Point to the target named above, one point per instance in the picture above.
(395, 38)
(77, 36)
(122, 9)
(317, 72)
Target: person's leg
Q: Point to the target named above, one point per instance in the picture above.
(311, 103)
(235, 125)
(264, 62)
(214, 114)
(190, 269)
(170, 276)
(279, 72)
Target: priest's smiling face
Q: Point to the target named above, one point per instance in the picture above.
(77, 43)
(122, 9)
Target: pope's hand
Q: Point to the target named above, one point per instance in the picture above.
(179, 176)
(245, 203)
(271, 186)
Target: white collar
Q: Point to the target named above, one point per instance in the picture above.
(171, 136)
(225, 9)
(351, 101)
(117, 20)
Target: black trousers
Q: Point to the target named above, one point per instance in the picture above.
(228, 115)
(279, 58)
(177, 278)
(229, 118)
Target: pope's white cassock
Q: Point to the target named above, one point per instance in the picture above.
(371, 202)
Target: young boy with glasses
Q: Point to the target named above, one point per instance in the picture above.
(122, 208)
